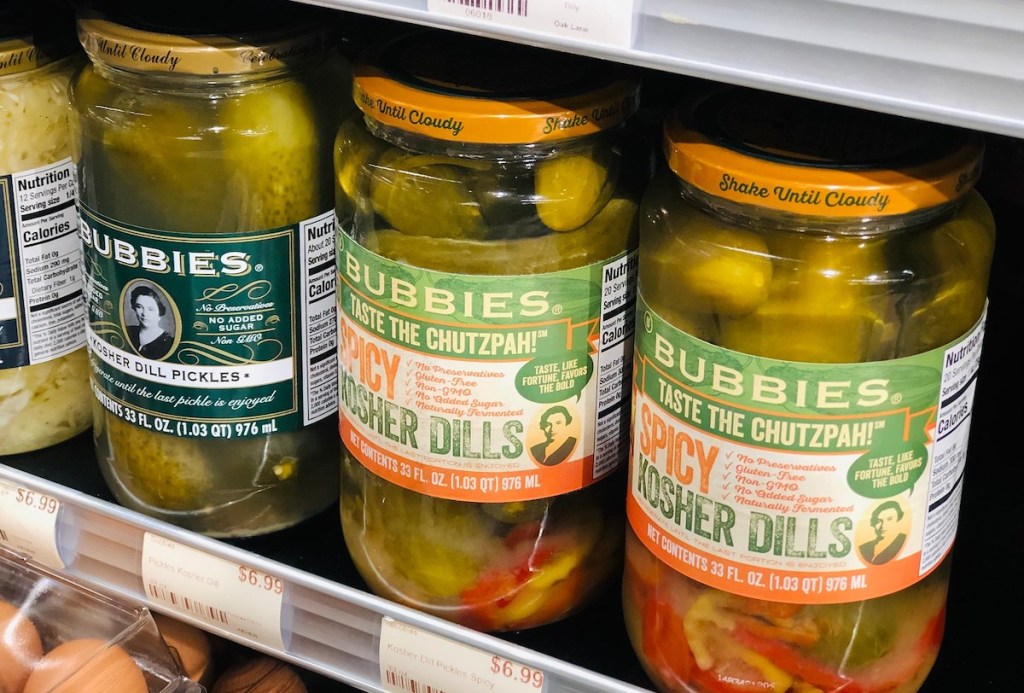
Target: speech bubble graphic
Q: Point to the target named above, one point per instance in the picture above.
(555, 378)
(878, 474)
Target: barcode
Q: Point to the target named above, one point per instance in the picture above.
(403, 681)
(517, 7)
(188, 604)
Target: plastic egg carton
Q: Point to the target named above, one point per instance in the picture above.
(59, 636)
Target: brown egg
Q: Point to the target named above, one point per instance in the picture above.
(191, 644)
(20, 647)
(259, 675)
(86, 665)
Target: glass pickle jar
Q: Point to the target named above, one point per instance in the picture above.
(812, 290)
(487, 206)
(44, 370)
(207, 210)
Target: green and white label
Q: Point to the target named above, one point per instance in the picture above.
(485, 388)
(212, 335)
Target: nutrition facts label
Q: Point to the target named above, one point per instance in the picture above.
(960, 366)
(41, 309)
(618, 319)
(320, 310)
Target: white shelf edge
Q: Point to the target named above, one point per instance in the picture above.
(344, 608)
(931, 60)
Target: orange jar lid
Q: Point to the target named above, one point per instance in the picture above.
(470, 89)
(816, 159)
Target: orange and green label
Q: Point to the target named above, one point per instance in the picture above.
(797, 482)
(484, 388)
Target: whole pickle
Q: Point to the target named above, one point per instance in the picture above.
(423, 195)
(952, 260)
(162, 471)
(604, 236)
(572, 187)
(725, 268)
(147, 155)
(828, 302)
(271, 156)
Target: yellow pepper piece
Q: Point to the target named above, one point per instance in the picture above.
(522, 607)
(779, 679)
(705, 616)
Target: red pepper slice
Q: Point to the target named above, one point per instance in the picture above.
(664, 642)
(793, 661)
(494, 589)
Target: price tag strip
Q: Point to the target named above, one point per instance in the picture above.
(415, 661)
(227, 595)
(28, 523)
(608, 22)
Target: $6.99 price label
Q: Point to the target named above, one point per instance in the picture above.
(416, 661)
(256, 578)
(28, 523)
(517, 672)
(230, 596)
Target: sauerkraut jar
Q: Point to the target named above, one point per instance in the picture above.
(208, 226)
(812, 295)
(44, 371)
(488, 219)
